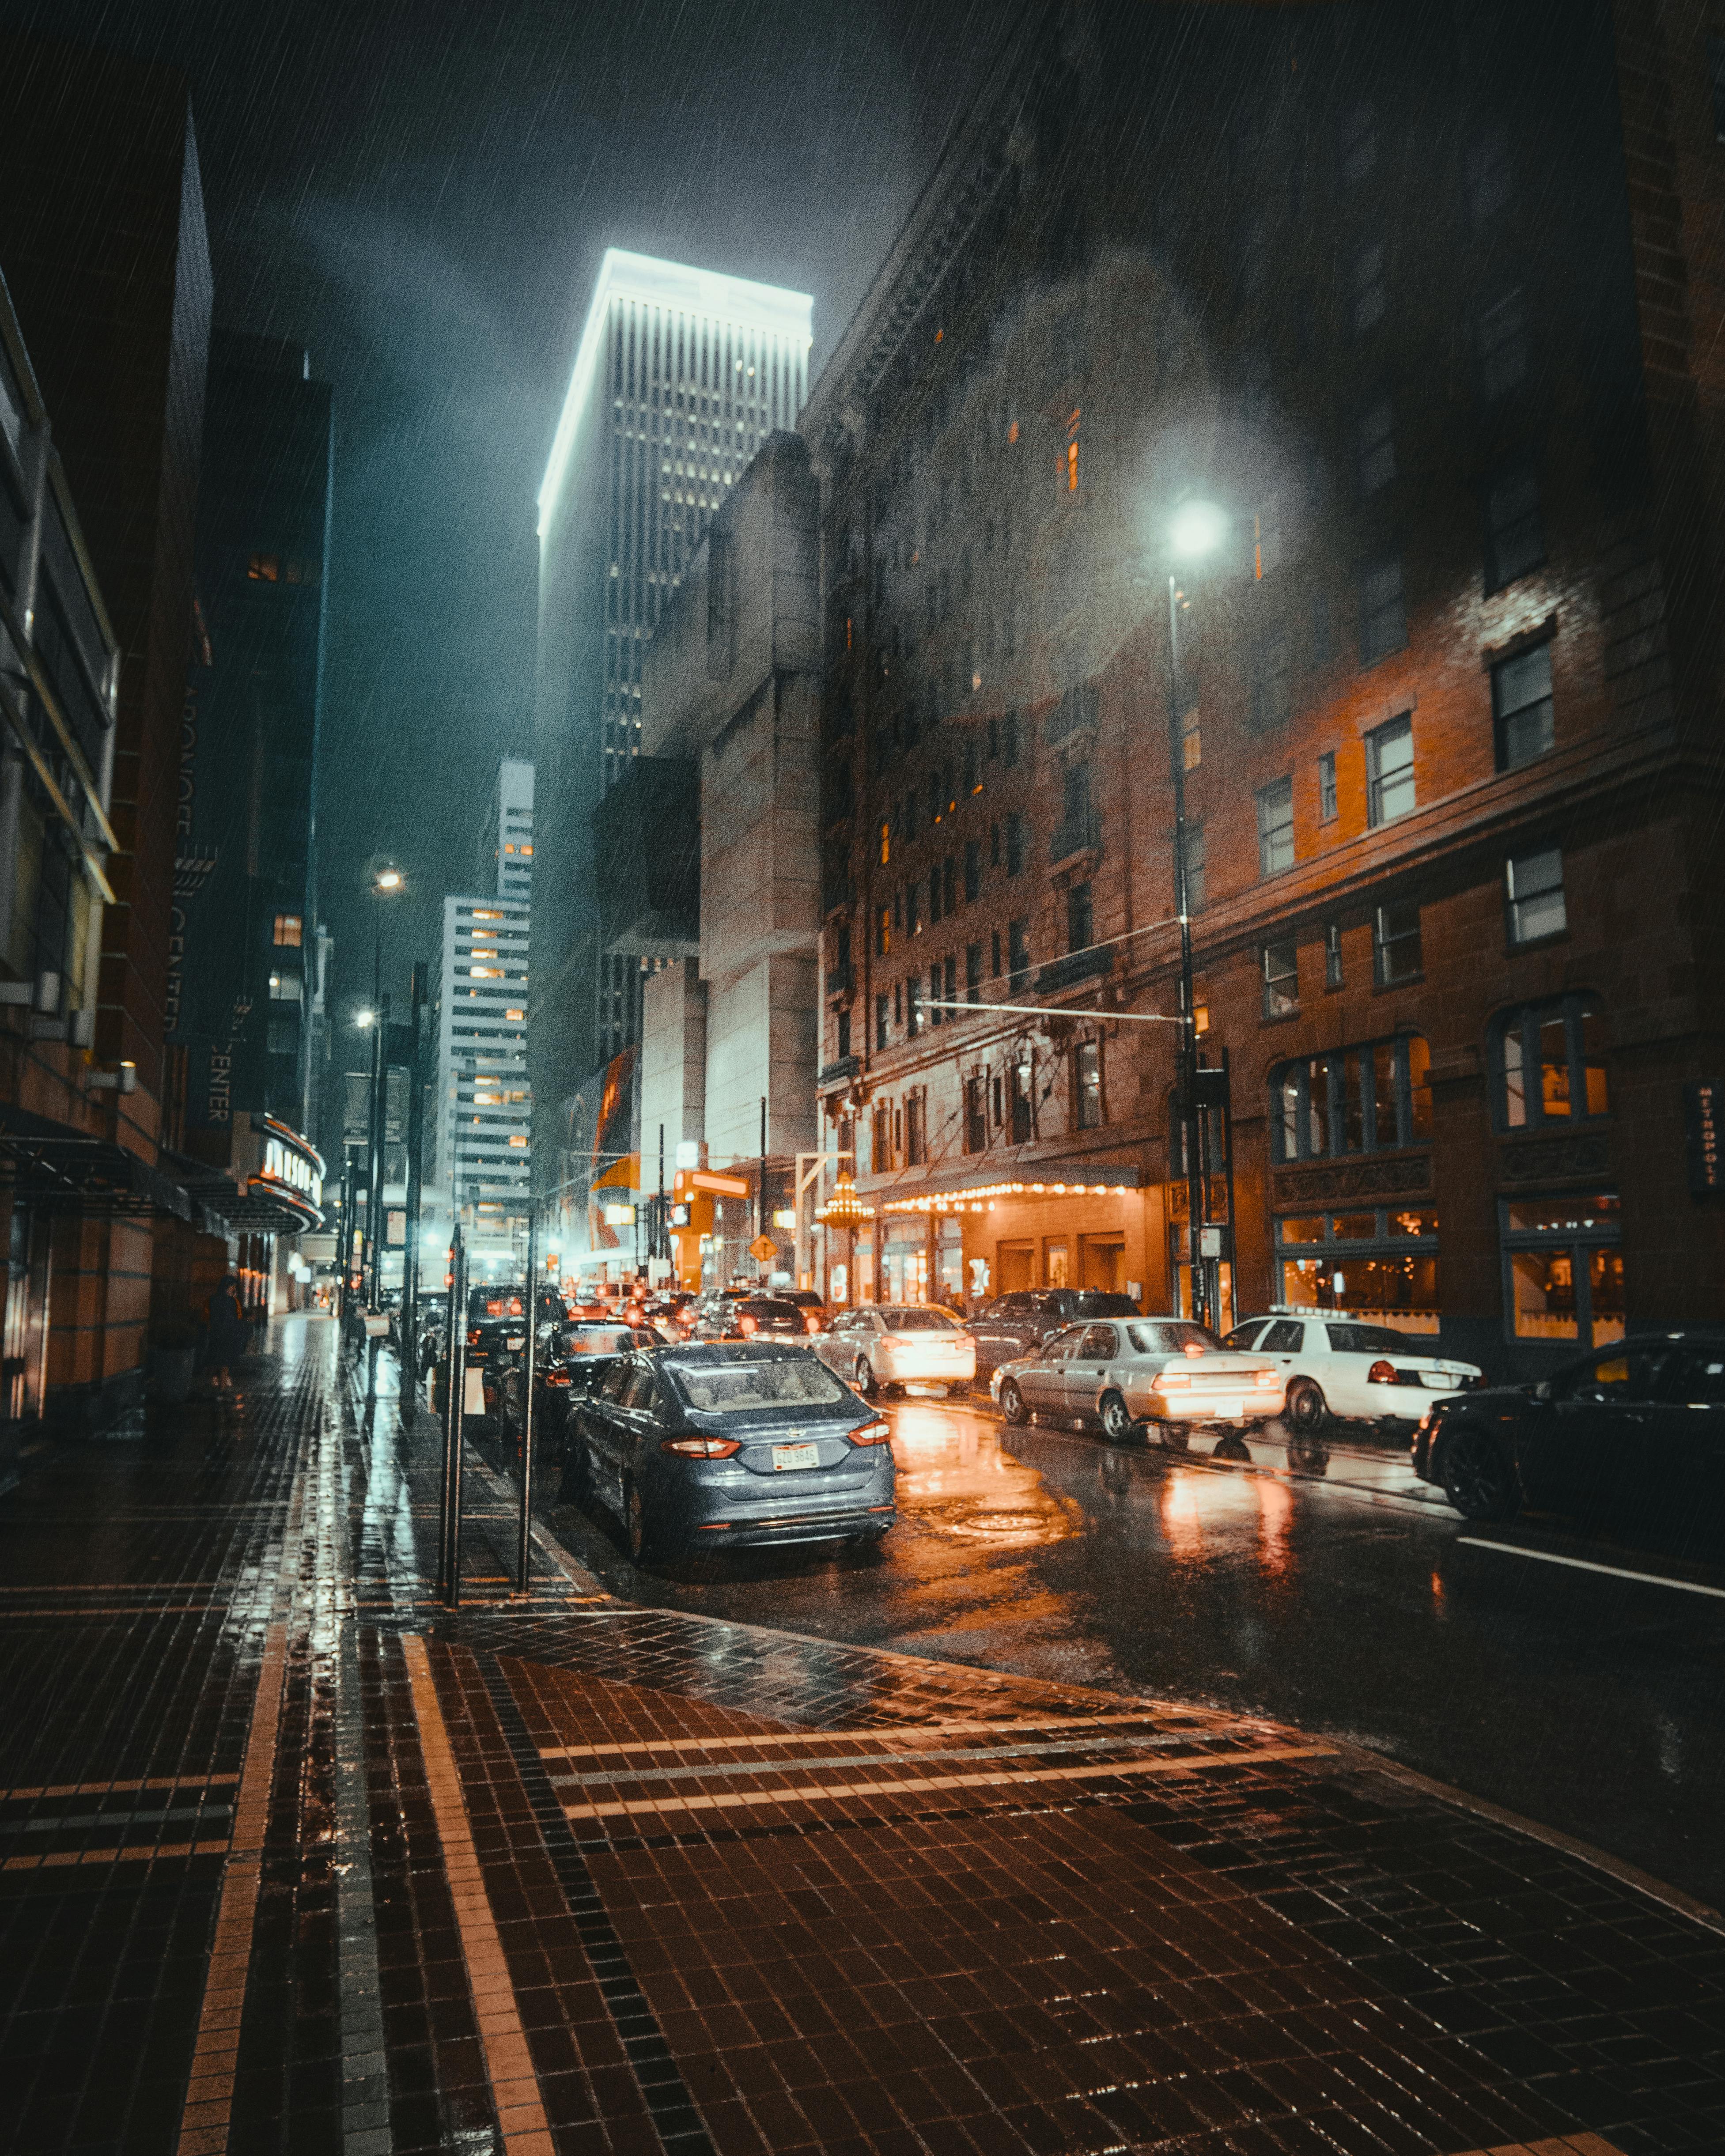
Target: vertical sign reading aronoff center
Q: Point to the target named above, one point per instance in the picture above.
(1703, 1110)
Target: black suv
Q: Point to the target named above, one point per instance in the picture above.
(1634, 1433)
(1018, 1323)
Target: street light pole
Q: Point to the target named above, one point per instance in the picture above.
(1189, 1109)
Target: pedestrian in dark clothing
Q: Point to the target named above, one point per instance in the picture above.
(229, 1332)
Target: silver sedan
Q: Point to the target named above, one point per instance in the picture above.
(1160, 1373)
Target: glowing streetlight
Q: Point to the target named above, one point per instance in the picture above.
(362, 1018)
(1198, 527)
(387, 880)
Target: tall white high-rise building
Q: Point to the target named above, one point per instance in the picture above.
(484, 1103)
(681, 375)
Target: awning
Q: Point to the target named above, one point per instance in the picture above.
(264, 1206)
(1046, 1180)
(50, 1166)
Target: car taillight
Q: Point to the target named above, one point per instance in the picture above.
(700, 1448)
(1170, 1379)
(811, 1324)
(1194, 1347)
(473, 1336)
(872, 1433)
(746, 1327)
(1381, 1374)
(556, 1378)
(1264, 1378)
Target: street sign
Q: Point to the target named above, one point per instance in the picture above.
(762, 1248)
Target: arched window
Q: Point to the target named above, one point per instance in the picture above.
(1548, 1064)
(1372, 1098)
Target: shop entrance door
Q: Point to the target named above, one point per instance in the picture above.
(1017, 1267)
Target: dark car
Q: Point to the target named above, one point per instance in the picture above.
(738, 1442)
(1634, 1432)
(568, 1360)
(1018, 1323)
(732, 1317)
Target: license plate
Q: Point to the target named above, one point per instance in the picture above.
(794, 1455)
(1226, 1410)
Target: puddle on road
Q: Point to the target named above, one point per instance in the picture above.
(955, 1479)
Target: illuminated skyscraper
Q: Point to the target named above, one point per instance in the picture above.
(680, 377)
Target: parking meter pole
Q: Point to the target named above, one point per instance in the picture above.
(524, 1553)
(455, 1368)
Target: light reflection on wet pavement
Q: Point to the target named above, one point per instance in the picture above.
(1334, 1593)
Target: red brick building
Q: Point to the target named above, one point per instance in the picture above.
(1421, 303)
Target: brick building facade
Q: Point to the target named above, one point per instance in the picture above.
(1418, 304)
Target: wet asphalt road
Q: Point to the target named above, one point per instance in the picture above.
(1590, 1703)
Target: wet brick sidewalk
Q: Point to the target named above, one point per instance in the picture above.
(295, 1860)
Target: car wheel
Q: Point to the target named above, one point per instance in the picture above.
(1116, 1419)
(863, 1377)
(1012, 1404)
(1306, 1409)
(1478, 1479)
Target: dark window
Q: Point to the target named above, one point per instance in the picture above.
(949, 884)
(1015, 843)
(1383, 615)
(1490, 174)
(1533, 895)
(913, 908)
(1087, 1085)
(844, 1034)
(1282, 979)
(1716, 76)
(1276, 827)
(1366, 1099)
(883, 1013)
(1515, 531)
(949, 980)
(994, 955)
(994, 845)
(1502, 341)
(1321, 625)
(1374, 447)
(1549, 1063)
(1395, 944)
(913, 1005)
(1023, 1104)
(1194, 867)
(1368, 295)
(973, 973)
(1357, 142)
(972, 870)
(1521, 706)
(976, 1114)
(1326, 787)
(1078, 917)
(1017, 934)
(1272, 681)
(1010, 739)
(916, 1129)
(1333, 955)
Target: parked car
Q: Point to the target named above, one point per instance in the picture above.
(568, 1360)
(731, 1316)
(1017, 1322)
(1338, 1363)
(1151, 1373)
(887, 1344)
(497, 1329)
(731, 1442)
(1634, 1433)
(815, 1313)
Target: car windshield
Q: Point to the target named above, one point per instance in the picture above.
(1170, 1339)
(741, 1388)
(927, 1320)
(1370, 1340)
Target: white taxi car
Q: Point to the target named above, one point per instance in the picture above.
(886, 1344)
(1337, 1363)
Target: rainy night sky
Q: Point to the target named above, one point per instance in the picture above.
(420, 193)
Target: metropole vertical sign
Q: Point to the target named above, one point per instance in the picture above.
(1703, 1112)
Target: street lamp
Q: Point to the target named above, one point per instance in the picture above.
(386, 881)
(1196, 529)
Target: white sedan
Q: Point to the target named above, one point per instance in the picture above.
(886, 1343)
(1334, 1364)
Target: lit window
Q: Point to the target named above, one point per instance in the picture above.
(1563, 1282)
(1533, 892)
(485, 973)
(521, 1142)
(264, 568)
(515, 1013)
(1389, 771)
(290, 931)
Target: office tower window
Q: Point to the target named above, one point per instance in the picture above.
(1276, 827)
(1500, 341)
(1374, 446)
(1515, 531)
(290, 931)
(1382, 617)
(1533, 895)
(1326, 787)
(1521, 706)
(1389, 771)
